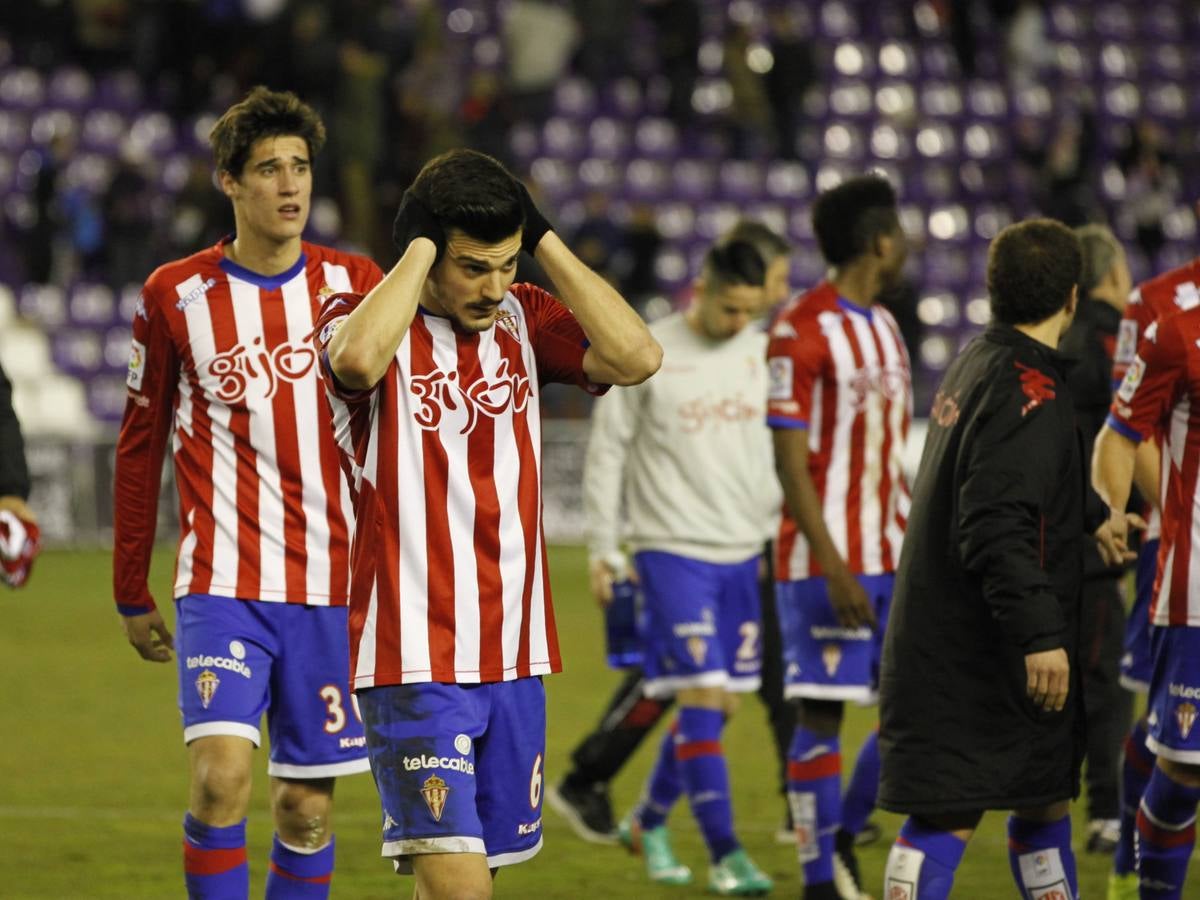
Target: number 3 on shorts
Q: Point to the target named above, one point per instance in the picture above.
(535, 783)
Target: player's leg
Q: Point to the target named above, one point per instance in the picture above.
(582, 795)
(316, 735)
(224, 682)
(781, 713)
(1166, 819)
(1039, 851)
(926, 853)
(423, 743)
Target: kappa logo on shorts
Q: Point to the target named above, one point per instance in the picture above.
(388, 821)
(533, 827)
(1185, 716)
(207, 683)
(435, 791)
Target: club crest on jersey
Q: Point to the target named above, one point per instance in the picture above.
(435, 791)
(236, 368)
(1185, 717)
(207, 683)
(697, 648)
(443, 397)
(508, 321)
(831, 658)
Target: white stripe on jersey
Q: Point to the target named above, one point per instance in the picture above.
(837, 475)
(898, 499)
(539, 647)
(366, 647)
(413, 557)
(870, 519)
(337, 277)
(310, 419)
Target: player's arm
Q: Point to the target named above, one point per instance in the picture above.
(620, 349)
(1147, 469)
(363, 347)
(850, 601)
(614, 423)
(141, 448)
(1114, 459)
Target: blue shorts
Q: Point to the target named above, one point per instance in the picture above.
(459, 768)
(1135, 660)
(700, 623)
(822, 659)
(238, 659)
(1173, 707)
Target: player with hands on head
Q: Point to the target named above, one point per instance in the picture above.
(222, 366)
(434, 378)
(980, 701)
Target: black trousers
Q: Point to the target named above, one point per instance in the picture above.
(1107, 705)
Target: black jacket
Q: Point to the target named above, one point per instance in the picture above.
(991, 570)
(14, 477)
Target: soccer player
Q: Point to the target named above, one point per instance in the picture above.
(839, 406)
(435, 377)
(19, 542)
(582, 795)
(689, 453)
(980, 705)
(1153, 300)
(1103, 291)
(1158, 397)
(222, 365)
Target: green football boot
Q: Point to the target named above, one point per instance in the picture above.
(736, 875)
(655, 845)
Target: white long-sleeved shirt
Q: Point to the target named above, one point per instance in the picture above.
(688, 451)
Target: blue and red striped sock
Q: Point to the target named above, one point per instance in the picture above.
(664, 785)
(705, 777)
(922, 863)
(1040, 856)
(214, 860)
(1136, 766)
(299, 874)
(815, 795)
(1166, 834)
(859, 800)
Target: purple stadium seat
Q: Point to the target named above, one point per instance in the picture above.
(646, 179)
(1066, 22)
(153, 133)
(91, 305)
(852, 59)
(623, 98)
(939, 309)
(844, 140)
(694, 180)
(671, 267)
(1166, 100)
(563, 138)
(22, 88)
(106, 397)
(941, 100)
(675, 221)
(936, 140)
(524, 143)
(1122, 100)
(898, 59)
(800, 228)
(608, 138)
(787, 181)
(14, 130)
(45, 304)
(71, 87)
(49, 123)
(655, 137)
(78, 352)
(1115, 21)
(895, 100)
(599, 175)
(102, 130)
(714, 219)
(838, 20)
(575, 98)
(851, 99)
(119, 90)
(555, 177)
(987, 99)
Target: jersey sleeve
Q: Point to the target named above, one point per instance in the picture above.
(558, 339)
(1152, 383)
(795, 360)
(151, 386)
(334, 312)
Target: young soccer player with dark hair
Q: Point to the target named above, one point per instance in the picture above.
(840, 404)
(221, 364)
(435, 378)
(980, 680)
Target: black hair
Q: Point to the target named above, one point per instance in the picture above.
(734, 263)
(263, 113)
(769, 244)
(848, 218)
(1032, 266)
(472, 192)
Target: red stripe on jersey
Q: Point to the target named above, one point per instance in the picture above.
(204, 861)
(440, 572)
(885, 454)
(529, 507)
(287, 456)
(552, 651)
(1179, 533)
(824, 766)
(692, 749)
(339, 529)
(858, 453)
(196, 487)
(386, 541)
(481, 455)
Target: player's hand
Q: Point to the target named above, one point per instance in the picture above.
(1112, 538)
(149, 636)
(1047, 678)
(602, 574)
(536, 224)
(415, 220)
(18, 507)
(850, 602)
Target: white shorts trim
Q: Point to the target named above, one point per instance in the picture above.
(402, 852)
(1191, 757)
(667, 687)
(856, 693)
(330, 770)
(1133, 684)
(519, 856)
(224, 729)
(746, 685)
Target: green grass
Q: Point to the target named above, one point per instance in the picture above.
(93, 783)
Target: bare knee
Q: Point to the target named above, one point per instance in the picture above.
(704, 698)
(303, 810)
(219, 789)
(452, 876)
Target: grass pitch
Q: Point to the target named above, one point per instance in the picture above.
(93, 783)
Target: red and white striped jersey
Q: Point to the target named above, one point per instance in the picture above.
(222, 362)
(841, 372)
(448, 566)
(1161, 395)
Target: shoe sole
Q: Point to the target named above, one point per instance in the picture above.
(560, 805)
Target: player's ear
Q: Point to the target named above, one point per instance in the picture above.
(227, 180)
(1073, 300)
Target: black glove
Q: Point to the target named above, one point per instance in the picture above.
(536, 225)
(413, 220)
